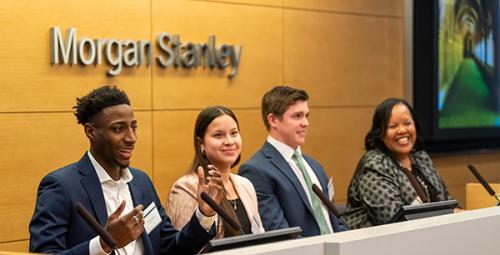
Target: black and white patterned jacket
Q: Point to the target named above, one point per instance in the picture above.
(379, 188)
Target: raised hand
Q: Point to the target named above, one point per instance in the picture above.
(124, 228)
(213, 188)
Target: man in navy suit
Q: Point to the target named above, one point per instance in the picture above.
(282, 175)
(113, 192)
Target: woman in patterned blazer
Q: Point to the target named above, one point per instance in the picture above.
(394, 171)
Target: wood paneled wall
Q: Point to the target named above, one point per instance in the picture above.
(347, 54)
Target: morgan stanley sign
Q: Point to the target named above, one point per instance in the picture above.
(129, 53)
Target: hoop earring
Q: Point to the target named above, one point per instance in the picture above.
(202, 151)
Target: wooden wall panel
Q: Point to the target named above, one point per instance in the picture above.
(143, 152)
(34, 150)
(487, 164)
(347, 54)
(38, 144)
(35, 85)
(453, 169)
(336, 139)
(260, 66)
(273, 3)
(394, 58)
(356, 7)
(173, 143)
(454, 172)
(253, 132)
(343, 59)
(173, 147)
(17, 246)
(477, 197)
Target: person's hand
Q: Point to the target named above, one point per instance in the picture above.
(458, 210)
(213, 188)
(124, 228)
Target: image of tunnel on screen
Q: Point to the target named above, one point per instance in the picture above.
(467, 75)
(456, 85)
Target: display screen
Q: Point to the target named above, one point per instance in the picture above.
(456, 88)
(468, 88)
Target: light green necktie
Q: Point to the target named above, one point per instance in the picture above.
(316, 206)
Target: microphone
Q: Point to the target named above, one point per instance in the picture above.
(484, 183)
(106, 237)
(228, 219)
(325, 200)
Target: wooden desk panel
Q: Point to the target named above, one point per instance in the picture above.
(17, 247)
(477, 197)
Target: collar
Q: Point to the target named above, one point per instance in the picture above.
(103, 176)
(285, 150)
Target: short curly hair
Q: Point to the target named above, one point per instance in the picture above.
(88, 106)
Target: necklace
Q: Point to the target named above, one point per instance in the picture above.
(234, 203)
(410, 166)
(403, 166)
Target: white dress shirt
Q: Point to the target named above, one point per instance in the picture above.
(287, 153)
(117, 191)
(114, 193)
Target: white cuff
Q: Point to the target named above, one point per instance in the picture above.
(95, 247)
(206, 221)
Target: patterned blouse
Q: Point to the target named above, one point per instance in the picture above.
(379, 188)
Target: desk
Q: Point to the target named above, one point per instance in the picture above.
(477, 197)
(470, 232)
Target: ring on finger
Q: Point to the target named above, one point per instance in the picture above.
(136, 219)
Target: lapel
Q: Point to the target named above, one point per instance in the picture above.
(92, 186)
(318, 172)
(245, 200)
(135, 191)
(138, 198)
(428, 173)
(282, 165)
(241, 194)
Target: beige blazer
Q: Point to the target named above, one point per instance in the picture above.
(182, 201)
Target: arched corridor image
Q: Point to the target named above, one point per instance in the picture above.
(467, 64)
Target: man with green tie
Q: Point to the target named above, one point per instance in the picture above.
(282, 175)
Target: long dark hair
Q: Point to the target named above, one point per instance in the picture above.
(205, 117)
(375, 138)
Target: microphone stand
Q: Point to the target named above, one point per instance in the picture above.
(497, 197)
(228, 219)
(485, 184)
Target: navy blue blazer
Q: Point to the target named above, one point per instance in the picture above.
(283, 202)
(56, 227)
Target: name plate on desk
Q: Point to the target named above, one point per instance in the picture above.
(412, 212)
(253, 239)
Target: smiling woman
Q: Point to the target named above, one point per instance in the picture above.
(217, 147)
(394, 171)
